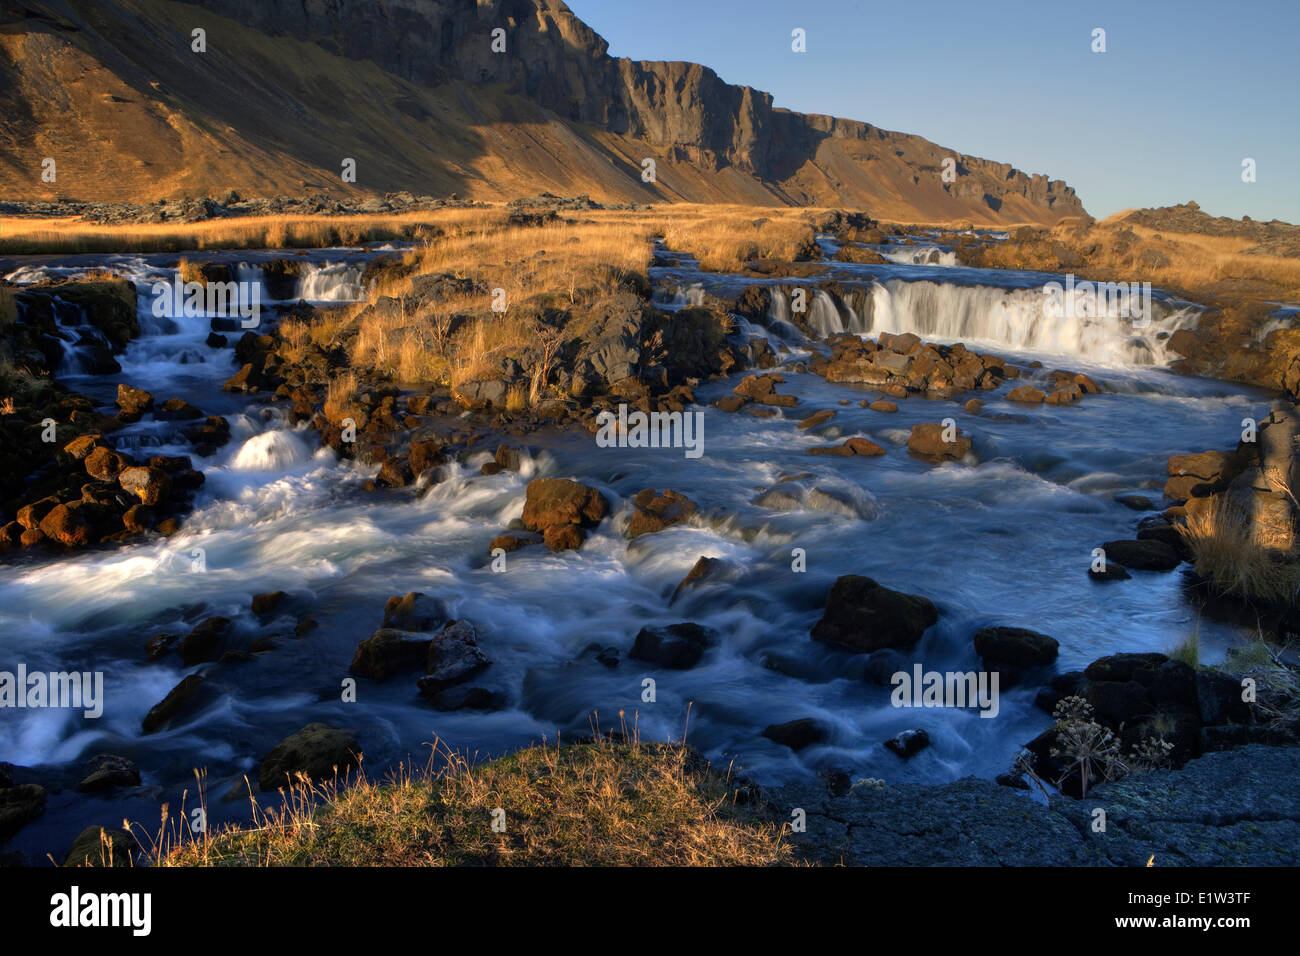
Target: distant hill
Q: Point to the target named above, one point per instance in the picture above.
(412, 91)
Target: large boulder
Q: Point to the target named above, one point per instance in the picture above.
(861, 615)
(203, 642)
(317, 751)
(797, 734)
(560, 501)
(67, 525)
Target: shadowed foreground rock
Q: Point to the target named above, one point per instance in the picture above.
(1235, 808)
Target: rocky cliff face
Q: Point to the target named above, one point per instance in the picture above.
(432, 62)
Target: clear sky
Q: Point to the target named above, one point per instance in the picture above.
(1185, 91)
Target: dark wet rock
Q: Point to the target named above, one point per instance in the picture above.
(1014, 650)
(266, 605)
(467, 698)
(1069, 684)
(415, 611)
(797, 734)
(1218, 697)
(139, 519)
(605, 654)
(158, 645)
(862, 615)
(317, 751)
(454, 657)
(19, 806)
(179, 699)
(1148, 555)
(204, 641)
(390, 651)
(107, 771)
(102, 846)
(510, 542)
(909, 743)
(676, 646)
(1113, 572)
(1136, 502)
(176, 410)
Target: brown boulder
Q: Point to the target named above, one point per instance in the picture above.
(562, 501)
(150, 485)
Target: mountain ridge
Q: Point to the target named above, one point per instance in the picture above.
(412, 90)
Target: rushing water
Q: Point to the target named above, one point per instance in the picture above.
(1005, 541)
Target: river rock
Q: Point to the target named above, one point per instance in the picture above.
(561, 501)
(677, 646)
(178, 699)
(105, 464)
(107, 771)
(67, 525)
(133, 402)
(151, 485)
(1014, 648)
(389, 651)
(19, 806)
(654, 512)
(317, 751)
(797, 734)
(927, 441)
(102, 846)
(1146, 555)
(415, 611)
(204, 641)
(453, 657)
(861, 615)
(909, 743)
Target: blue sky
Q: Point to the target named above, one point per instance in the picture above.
(1184, 92)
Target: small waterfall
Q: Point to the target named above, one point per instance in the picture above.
(682, 297)
(921, 256)
(271, 451)
(86, 350)
(331, 282)
(1021, 319)
(823, 317)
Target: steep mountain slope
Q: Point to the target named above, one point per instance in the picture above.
(413, 91)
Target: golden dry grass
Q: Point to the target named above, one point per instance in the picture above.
(35, 236)
(1191, 262)
(1242, 556)
(598, 804)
